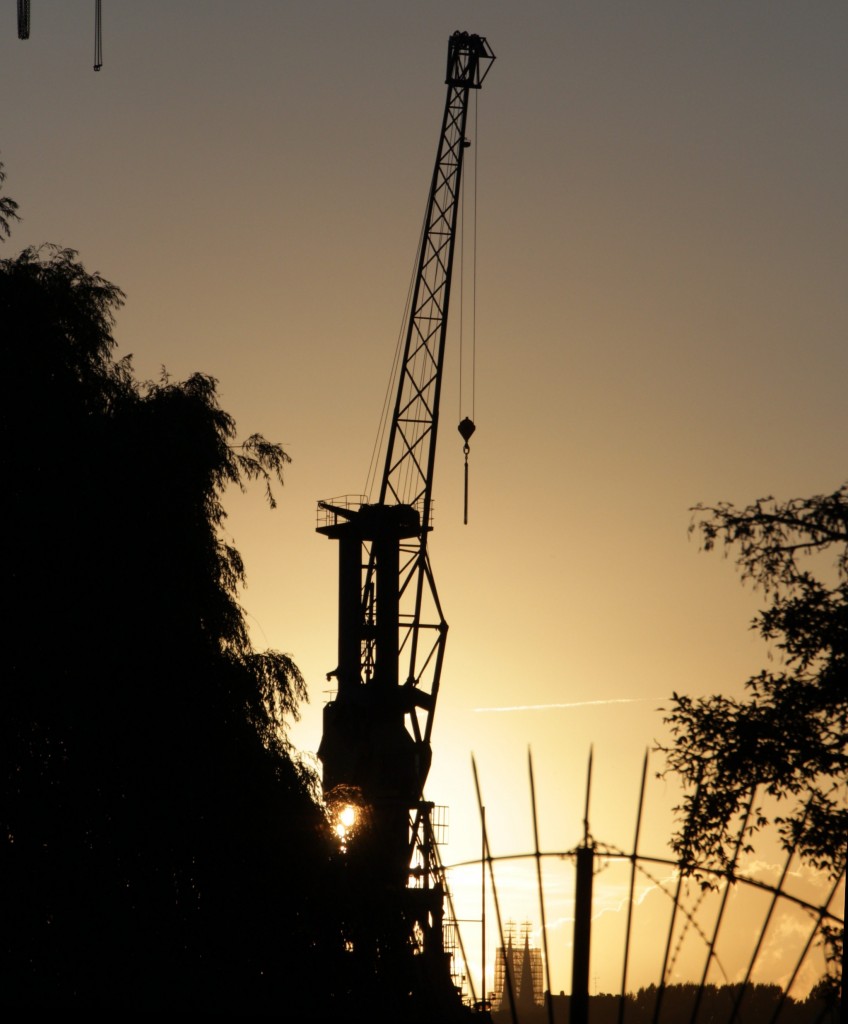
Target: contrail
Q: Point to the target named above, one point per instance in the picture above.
(576, 704)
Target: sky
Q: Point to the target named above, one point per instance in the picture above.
(660, 320)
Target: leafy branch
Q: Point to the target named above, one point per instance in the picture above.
(8, 208)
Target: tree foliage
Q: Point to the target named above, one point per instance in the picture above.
(8, 209)
(159, 840)
(787, 738)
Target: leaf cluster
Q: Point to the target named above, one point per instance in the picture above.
(8, 209)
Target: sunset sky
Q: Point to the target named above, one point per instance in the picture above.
(662, 248)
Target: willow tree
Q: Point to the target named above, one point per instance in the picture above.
(160, 842)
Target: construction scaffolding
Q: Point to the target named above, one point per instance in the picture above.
(520, 965)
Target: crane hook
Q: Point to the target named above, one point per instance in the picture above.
(466, 428)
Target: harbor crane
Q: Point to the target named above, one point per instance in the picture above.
(375, 749)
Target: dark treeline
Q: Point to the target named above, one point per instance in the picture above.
(161, 844)
(714, 1004)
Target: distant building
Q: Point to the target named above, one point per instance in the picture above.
(521, 963)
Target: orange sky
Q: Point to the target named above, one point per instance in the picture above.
(661, 320)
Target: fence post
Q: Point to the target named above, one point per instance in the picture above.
(582, 937)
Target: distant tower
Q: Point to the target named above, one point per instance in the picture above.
(522, 964)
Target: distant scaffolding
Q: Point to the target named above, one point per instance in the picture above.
(522, 963)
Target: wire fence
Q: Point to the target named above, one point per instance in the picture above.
(759, 929)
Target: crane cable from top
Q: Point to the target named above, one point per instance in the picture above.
(385, 413)
(98, 37)
(466, 425)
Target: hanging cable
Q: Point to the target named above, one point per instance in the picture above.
(461, 230)
(474, 277)
(466, 425)
(98, 37)
(373, 465)
(23, 19)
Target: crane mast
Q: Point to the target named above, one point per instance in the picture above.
(375, 748)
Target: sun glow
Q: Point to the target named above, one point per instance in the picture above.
(345, 823)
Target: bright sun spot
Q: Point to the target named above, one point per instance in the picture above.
(345, 820)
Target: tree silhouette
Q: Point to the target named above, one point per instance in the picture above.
(8, 209)
(788, 736)
(161, 843)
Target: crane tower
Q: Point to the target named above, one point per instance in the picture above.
(375, 748)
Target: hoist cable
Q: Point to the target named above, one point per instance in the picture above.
(23, 18)
(473, 285)
(466, 425)
(474, 279)
(371, 476)
(98, 37)
(461, 227)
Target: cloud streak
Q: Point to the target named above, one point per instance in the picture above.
(574, 704)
